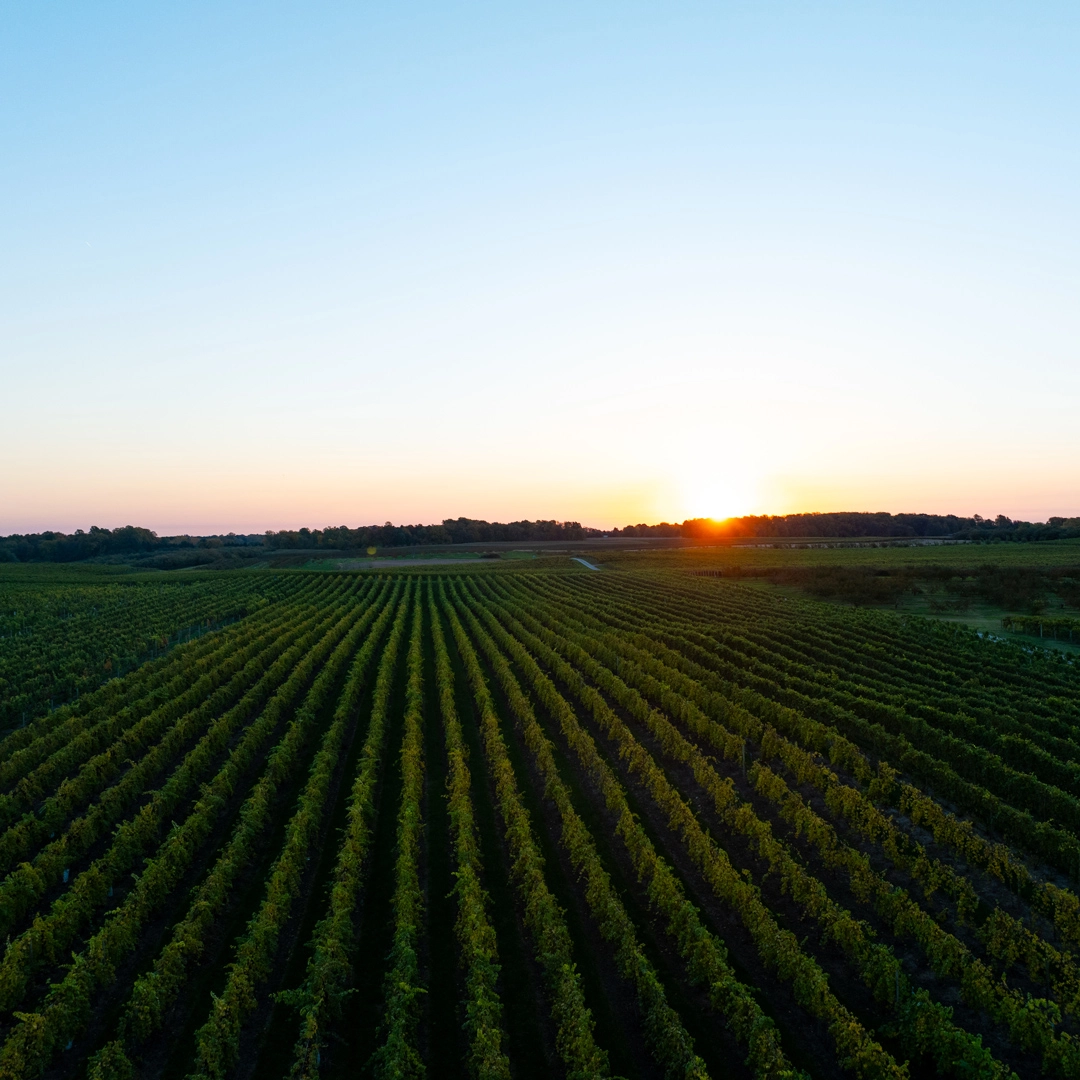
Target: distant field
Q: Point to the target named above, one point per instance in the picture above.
(855, 552)
(977, 585)
(406, 559)
(531, 821)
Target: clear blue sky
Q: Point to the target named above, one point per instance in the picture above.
(273, 265)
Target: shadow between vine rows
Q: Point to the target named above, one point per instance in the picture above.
(619, 1025)
(530, 1035)
(272, 1033)
(192, 1009)
(847, 985)
(805, 1040)
(721, 1054)
(111, 999)
(350, 1047)
(446, 1043)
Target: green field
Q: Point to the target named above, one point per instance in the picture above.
(532, 820)
(976, 585)
(884, 554)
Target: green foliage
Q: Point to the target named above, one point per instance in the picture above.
(904, 786)
(320, 998)
(61, 640)
(38, 1036)
(398, 1056)
(154, 993)
(581, 1056)
(476, 937)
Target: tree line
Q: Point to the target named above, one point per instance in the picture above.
(451, 531)
(131, 540)
(853, 525)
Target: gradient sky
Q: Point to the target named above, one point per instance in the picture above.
(274, 265)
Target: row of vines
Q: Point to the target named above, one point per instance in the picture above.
(504, 825)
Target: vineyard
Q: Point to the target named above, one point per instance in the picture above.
(494, 823)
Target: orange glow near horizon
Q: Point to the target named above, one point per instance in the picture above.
(718, 496)
(432, 303)
(243, 504)
(624, 484)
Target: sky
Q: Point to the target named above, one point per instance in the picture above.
(273, 265)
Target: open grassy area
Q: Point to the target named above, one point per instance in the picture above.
(971, 584)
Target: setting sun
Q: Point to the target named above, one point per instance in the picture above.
(717, 493)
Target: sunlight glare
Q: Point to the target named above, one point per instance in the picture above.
(717, 493)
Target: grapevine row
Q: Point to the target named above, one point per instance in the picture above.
(205, 699)
(924, 1026)
(777, 948)
(682, 697)
(574, 1040)
(320, 998)
(704, 955)
(670, 1041)
(48, 938)
(782, 709)
(218, 1040)
(398, 1056)
(475, 934)
(68, 1006)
